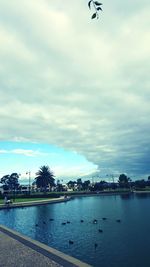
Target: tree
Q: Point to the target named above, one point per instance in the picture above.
(140, 184)
(10, 182)
(86, 185)
(13, 181)
(100, 186)
(5, 181)
(148, 181)
(44, 178)
(59, 186)
(71, 184)
(79, 183)
(124, 181)
(96, 6)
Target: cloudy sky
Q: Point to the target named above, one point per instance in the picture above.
(74, 92)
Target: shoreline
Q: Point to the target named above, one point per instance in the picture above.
(34, 203)
(141, 192)
(60, 199)
(103, 193)
(69, 197)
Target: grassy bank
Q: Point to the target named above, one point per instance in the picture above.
(53, 195)
(19, 200)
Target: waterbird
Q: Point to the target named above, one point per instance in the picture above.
(71, 242)
(100, 230)
(36, 225)
(94, 221)
(44, 222)
(51, 219)
(68, 221)
(81, 221)
(104, 218)
(95, 245)
(118, 220)
(63, 223)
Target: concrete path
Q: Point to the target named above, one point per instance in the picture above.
(17, 250)
(15, 254)
(34, 203)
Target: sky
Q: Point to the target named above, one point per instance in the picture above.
(74, 92)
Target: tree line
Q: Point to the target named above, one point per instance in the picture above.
(45, 178)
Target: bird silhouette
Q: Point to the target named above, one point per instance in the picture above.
(118, 220)
(95, 245)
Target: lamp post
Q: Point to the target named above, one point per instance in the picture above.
(29, 173)
(110, 176)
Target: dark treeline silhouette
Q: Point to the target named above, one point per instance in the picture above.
(123, 182)
(45, 182)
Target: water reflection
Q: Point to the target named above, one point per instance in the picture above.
(127, 196)
(142, 195)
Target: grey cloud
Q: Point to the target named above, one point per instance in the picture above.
(77, 84)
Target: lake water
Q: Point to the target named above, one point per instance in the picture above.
(124, 244)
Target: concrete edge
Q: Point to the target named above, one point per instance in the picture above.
(33, 203)
(59, 200)
(141, 192)
(53, 254)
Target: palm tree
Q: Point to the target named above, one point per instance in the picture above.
(44, 178)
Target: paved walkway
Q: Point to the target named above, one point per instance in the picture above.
(34, 202)
(17, 250)
(15, 254)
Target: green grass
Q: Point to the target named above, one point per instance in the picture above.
(54, 195)
(17, 200)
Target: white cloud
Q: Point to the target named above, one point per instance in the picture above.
(25, 152)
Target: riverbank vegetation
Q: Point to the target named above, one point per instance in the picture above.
(25, 199)
(46, 186)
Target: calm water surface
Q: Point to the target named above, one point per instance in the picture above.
(124, 244)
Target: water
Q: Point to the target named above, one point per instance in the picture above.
(121, 244)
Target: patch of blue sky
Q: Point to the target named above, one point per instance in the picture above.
(21, 157)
